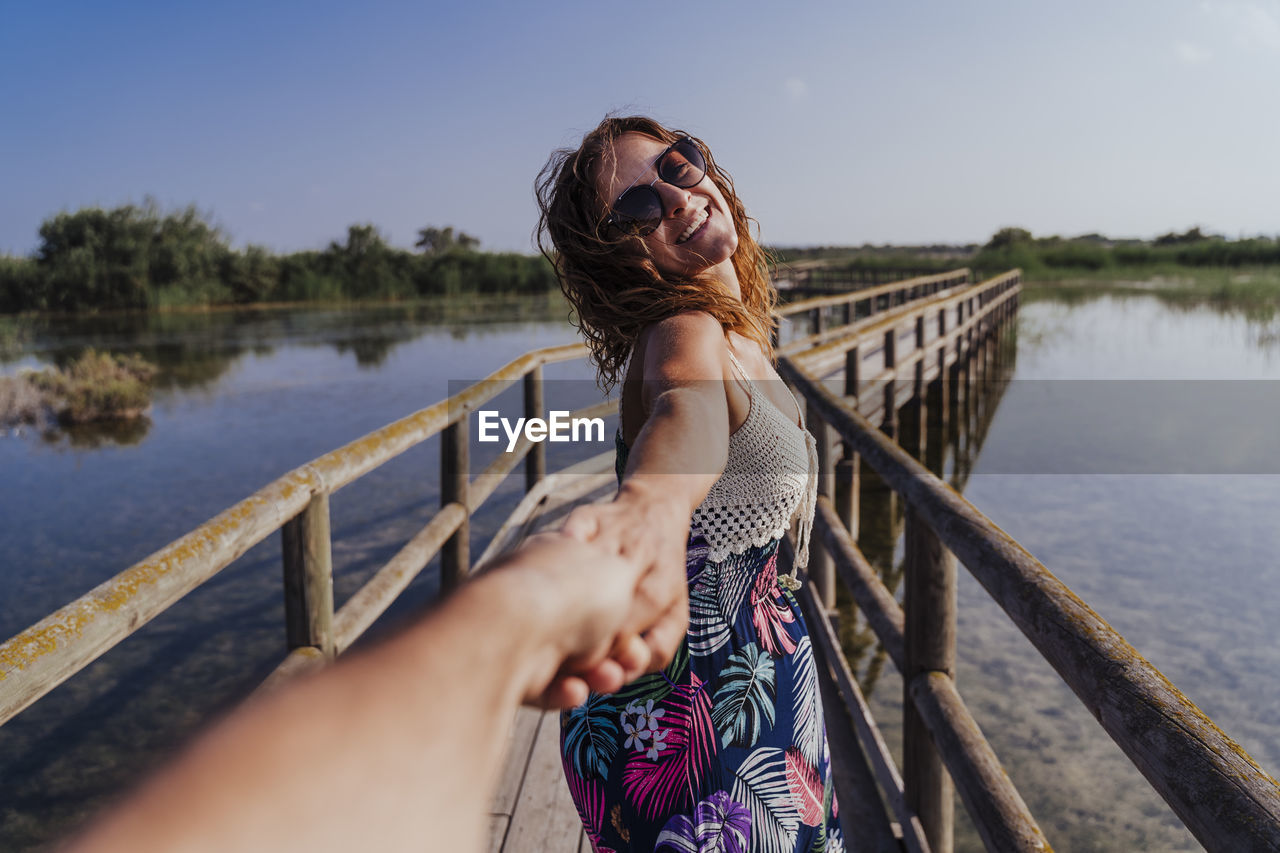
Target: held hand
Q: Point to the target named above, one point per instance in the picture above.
(579, 595)
(652, 532)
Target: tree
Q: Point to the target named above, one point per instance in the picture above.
(437, 241)
(1008, 237)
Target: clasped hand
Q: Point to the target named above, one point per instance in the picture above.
(630, 604)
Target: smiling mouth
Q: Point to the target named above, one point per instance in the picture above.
(695, 227)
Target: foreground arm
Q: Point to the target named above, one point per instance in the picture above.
(395, 748)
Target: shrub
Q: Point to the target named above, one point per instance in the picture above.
(97, 386)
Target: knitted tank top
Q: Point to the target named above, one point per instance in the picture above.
(771, 474)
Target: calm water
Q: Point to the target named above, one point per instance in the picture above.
(1180, 556)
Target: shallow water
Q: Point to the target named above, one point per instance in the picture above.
(1151, 520)
(1182, 561)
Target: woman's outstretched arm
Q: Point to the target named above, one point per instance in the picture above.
(676, 458)
(397, 747)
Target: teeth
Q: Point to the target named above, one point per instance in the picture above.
(694, 226)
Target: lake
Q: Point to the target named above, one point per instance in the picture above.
(1097, 458)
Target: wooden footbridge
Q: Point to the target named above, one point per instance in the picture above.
(875, 367)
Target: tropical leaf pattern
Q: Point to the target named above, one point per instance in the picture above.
(718, 825)
(708, 630)
(744, 703)
(761, 785)
(770, 615)
(658, 784)
(809, 735)
(656, 685)
(589, 736)
(806, 788)
(725, 749)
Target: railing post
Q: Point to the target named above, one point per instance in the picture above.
(930, 605)
(535, 463)
(847, 478)
(308, 577)
(889, 425)
(455, 556)
(822, 570)
(818, 321)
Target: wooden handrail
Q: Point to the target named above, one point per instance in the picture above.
(38, 659)
(1227, 801)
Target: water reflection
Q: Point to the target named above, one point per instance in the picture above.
(195, 350)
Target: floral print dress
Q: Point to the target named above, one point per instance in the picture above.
(724, 750)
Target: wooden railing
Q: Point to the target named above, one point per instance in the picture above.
(297, 504)
(1214, 787)
(35, 661)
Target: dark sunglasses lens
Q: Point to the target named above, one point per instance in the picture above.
(684, 164)
(639, 211)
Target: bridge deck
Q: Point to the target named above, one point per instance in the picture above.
(532, 811)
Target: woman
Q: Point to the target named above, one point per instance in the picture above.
(724, 749)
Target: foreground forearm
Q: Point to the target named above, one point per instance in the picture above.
(387, 764)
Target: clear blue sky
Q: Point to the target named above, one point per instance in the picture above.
(841, 122)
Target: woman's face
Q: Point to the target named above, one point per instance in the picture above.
(696, 231)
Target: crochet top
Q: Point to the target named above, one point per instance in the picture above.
(771, 474)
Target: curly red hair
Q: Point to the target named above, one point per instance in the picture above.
(613, 284)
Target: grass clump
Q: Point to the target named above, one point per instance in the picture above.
(97, 386)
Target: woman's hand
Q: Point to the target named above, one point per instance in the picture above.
(649, 530)
(573, 598)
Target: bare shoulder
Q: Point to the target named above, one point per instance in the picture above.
(684, 347)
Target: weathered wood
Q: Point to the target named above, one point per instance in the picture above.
(520, 735)
(308, 577)
(848, 488)
(498, 824)
(1217, 790)
(863, 817)
(877, 752)
(545, 819)
(820, 569)
(377, 594)
(580, 478)
(994, 805)
(536, 462)
(889, 416)
(43, 656)
(930, 605)
(298, 662)
(952, 278)
(820, 357)
(455, 557)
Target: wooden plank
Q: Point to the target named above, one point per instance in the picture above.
(519, 744)
(544, 820)
(497, 831)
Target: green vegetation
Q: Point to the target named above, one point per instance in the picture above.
(1051, 258)
(96, 386)
(138, 257)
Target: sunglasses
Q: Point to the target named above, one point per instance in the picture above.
(639, 210)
